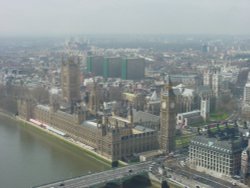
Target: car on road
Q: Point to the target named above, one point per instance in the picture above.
(234, 183)
(182, 163)
(195, 177)
(130, 170)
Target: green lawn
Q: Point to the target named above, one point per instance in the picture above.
(218, 116)
(222, 128)
(183, 141)
(199, 124)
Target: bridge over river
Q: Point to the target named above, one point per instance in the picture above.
(100, 177)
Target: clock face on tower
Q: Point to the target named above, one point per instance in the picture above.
(172, 105)
(163, 105)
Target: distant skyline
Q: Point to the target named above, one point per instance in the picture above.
(75, 17)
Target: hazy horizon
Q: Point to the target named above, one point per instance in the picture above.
(79, 17)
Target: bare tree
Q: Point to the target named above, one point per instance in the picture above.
(41, 95)
(227, 103)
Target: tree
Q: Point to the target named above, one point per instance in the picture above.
(226, 103)
(114, 164)
(9, 95)
(164, 184)
(41, 95)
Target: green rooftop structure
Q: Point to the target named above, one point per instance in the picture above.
(95, 65)
(112, 67)
(116, 67)
(124, 69)
(133, 69)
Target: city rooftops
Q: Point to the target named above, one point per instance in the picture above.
(183, 76)
(154, 102)
(130, 94)
(89, 124)
(141, 116)
(191, 113)
(43, 107)
(224, 146)
(247, 84)
(140, 129)
(151, 154)
(121, 119)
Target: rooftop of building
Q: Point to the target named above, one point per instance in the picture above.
(154, 102)
(140, 129)
(141, 116)
(183, 91)
(247, 84)
(129, 94)
(204, 89)
(90, 124)
(125, 120)
(225, 146)
(194, 112)
(152, 153)
(43, 107)
(183, 76)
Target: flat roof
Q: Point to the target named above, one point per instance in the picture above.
(89, 124)
(140, 129)
(43, 107)
(189, 113)
(120, 119)
(151, 153)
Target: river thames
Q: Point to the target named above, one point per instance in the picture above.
(30, 158)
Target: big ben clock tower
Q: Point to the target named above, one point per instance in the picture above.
(168, 118)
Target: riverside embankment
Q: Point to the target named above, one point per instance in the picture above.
(46, 157)
(30, 156)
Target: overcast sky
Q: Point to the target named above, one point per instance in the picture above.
(70, 17)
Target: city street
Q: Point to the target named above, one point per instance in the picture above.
(192, 177)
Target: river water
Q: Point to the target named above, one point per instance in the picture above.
(29, 158)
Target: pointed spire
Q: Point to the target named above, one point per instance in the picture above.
(63, 61)
(94, 86)
(78, 59)
(168, 90)
(154, 96)
(168, 81)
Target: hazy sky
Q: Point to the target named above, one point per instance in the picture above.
(54, 17)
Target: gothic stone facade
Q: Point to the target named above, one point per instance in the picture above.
(114, 138)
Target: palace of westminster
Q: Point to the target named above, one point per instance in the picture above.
(111, 135)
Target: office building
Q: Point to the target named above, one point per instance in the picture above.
(112, 67)
(246, 95)
(116, 67)
(133, 69)
(189, 118)
(215, 156)
(246, 102)
(245, 161)
(95, 65)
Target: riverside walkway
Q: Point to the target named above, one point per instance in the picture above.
(100, 177)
